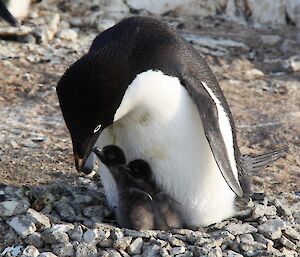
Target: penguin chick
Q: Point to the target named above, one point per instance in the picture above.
(141, 204)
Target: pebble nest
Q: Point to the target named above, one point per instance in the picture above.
(74, 220)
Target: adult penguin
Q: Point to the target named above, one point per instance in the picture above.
(144, 88)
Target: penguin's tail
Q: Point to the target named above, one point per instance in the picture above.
(6, 15)
(257, 163)
(253, 164)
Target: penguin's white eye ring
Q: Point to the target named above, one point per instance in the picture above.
(97, 128)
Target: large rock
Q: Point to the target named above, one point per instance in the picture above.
(267, 11)
(293, 11)
(181, 7)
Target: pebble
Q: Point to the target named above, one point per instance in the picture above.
(257, 233)
(261, 210)
(239, 229)
(292, 64)
(54, 236)
(288, 243)
(177, 250)
(271, 40)
(76, 233)
(105, 24)
(292, 234)
(30, 251)
(22, 226)
(150, 250)
(272, 228)
(65, 211)
(122, 243)
(84, 249)
(231, 253)
(65, 249)
(67, 34)
(35, 239)
(93, 211)
(13, 207)
(40, 220)
(89, 236)
(47, 254)
(136, 246)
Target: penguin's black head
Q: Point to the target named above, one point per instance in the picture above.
(140, 169)
(89, 97)
(110, 155)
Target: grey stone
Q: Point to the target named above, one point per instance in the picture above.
(225, 235)
(231, 253)
(89, 236)
(106, 243)
(164, 252)
(177, 250)
(216, 252)
(239, 229)
(186, 254)
(84, 249)
(261, 239)
(65, 211)
(65, 249)
(54, 236)
(34, 239)
(113, 253)
(136, 246)
(67, 34)
(292, 64)
(93, 211)
(117, 233)
(40, 220)
(271, 40)
(22, 226)
(272, 228)
(76, 233)
(267, 12)
(262, 210)
(30, 251)
(291, 234)
(150, 250)
(143, 234)
(47, 254)
(122, 243)
(13, 207)
(282, 208)
(287, 243)
(175, 241)
(104, 24)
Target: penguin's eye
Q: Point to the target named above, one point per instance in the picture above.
(97, 128)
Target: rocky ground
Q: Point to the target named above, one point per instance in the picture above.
(47, 207)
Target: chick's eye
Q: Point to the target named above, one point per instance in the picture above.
(97, 128)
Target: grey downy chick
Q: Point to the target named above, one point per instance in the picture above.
(141, 204)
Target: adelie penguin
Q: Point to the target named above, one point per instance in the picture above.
(142, 205)
(143, 87)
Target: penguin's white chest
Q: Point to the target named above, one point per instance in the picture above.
(157, 121)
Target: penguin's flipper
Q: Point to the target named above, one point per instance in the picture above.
(218, 128)
(257, 163)
(6, 15)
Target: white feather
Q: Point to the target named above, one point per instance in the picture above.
(226, 130)
(158, 121)
(19, 8)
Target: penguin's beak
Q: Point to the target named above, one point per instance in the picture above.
(99, 153)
